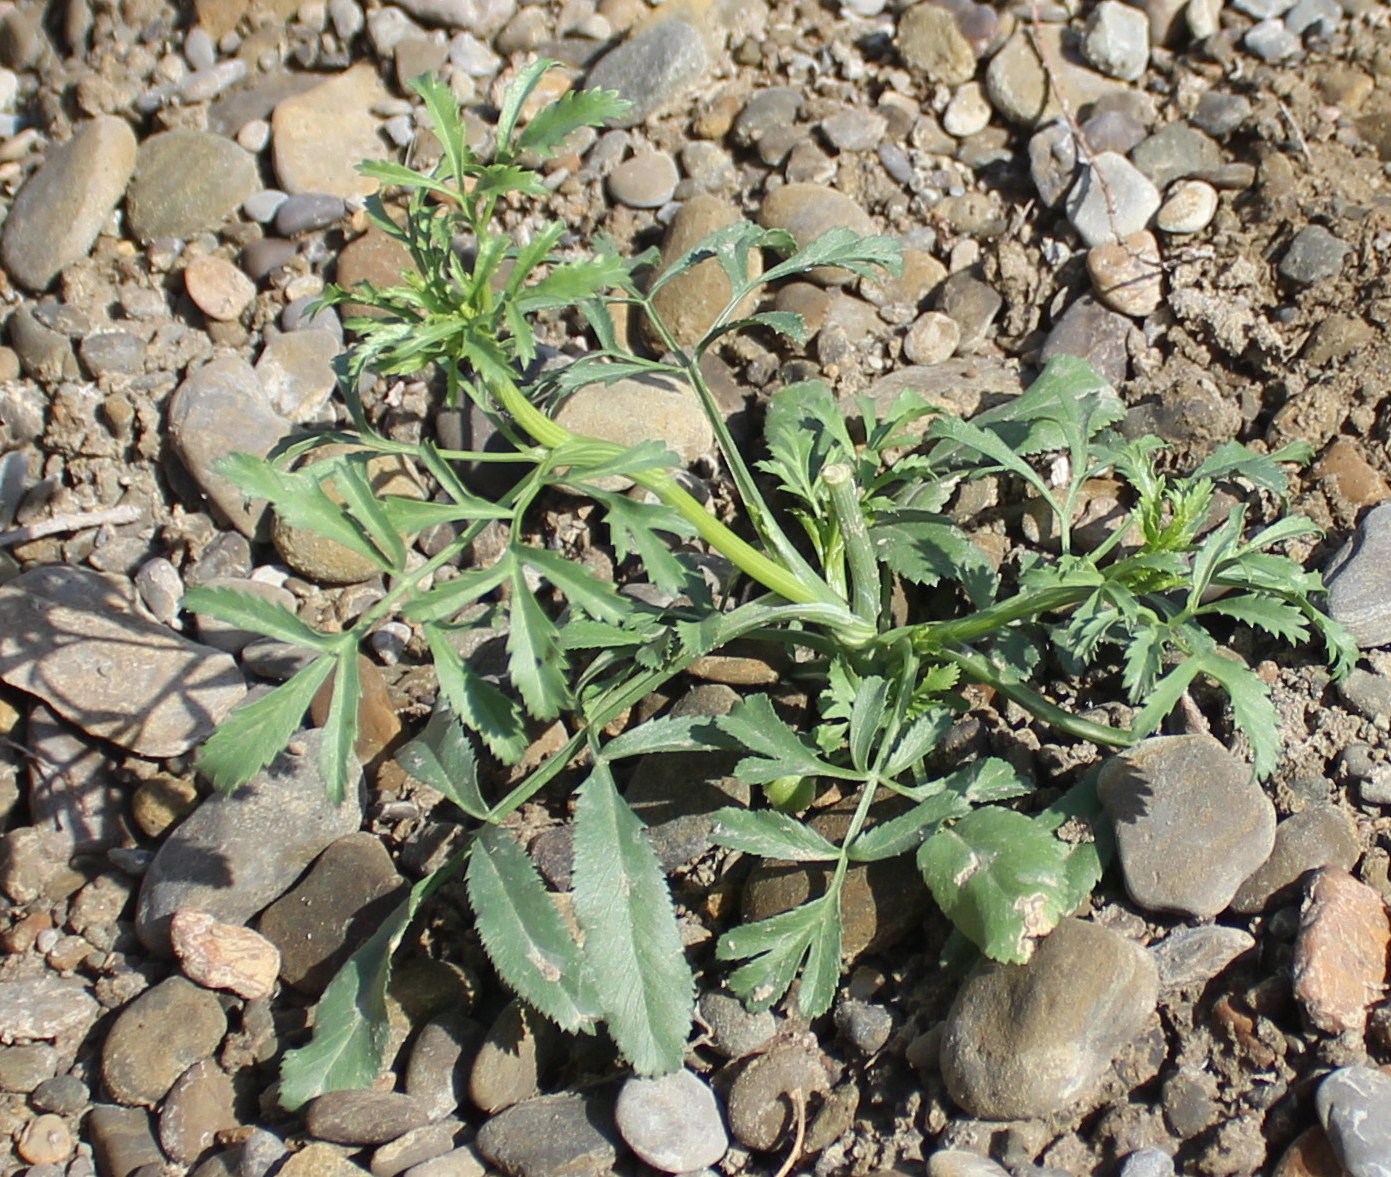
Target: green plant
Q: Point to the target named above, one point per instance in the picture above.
(855, 514)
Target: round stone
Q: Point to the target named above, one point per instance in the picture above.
(187, 182)
(932, 338)
(1128, 275)
(672, 1122)
(931, 43)
(218, 288)
(1110, 200)
(807, 211)
(1189, 207)
(648, 180)
(968, 112)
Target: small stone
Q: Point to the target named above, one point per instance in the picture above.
(648, 180)
(319, 136)
(854, 129)
(505, 1070)
(957, 1162)
(1221, 114)
(197, 1108)
(1190, 822)
(1309, 1155)
(415, 1147)
(689, 302)
(1188, 958)
(734, 1031)
(1026, 93)
(1188, 208)
(672, 1122)
(932, 338)
(1339, 965)
(45, 1141)
(932, 44)
(1128, 275)
(308, 211)
(654, 68)
(972, 305)
(460, 1162)
(362, 1117)
(437, 1071)
(864, 1025)
(1314, 256)
(1117, 40)
(123, 1141)
(1024, 1041)
(1320, 835)
(65, 1095)
(45, 1008)
(1095, 333)
(1343, 465)
(1270, 40)
(157, 1037)
(27, 1068)
(223, 956)
(187, 182)
(262, 206)
(1053, 161)
(317, 1159)
(218, 288)
(112, 353)
(1175, 152)
(551, 1136)
(1356, 579)
(809, 210)
(968, 112)
(1148, 1162)
(1320, 17)
(1354, 1106)
(296, 373)
(1132, 200)
(760, 1100)
(59, 212)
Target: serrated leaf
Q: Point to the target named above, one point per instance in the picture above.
(535, 661)
(866, 256)
(547, 130)
(571, 283)
(581, 587)
(1262, 470)
(412, 516)
(443, 109)
(255, 733)
(1252, 709)
(442, 757)
(248, 611)
(526, 938)
(921, 737)
(481, 706)
(1000, 878)
(669, 733)
(777, 750)
(1274, 616)
(906, 832)
(927, 549)
(396, 175)
(775, 949)
(337, 758)
(351, 1030)
(447, 598)
(770, 834)
(788, 324)
(631, 941)
(866, 718)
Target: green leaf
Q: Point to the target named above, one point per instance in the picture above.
(1252, 709)
(337, 758)
(481, 706)
(1000, 879)
(1262, 470)
(770, 834)
(572, 283)
(669, 733)
(257, 732)
(535, 661)
(580, 586)
(548, 129)
(397, 175)
(526, 938)
(351, 1030)
(520, 89)
(248, 611)
(844, 248)
(412, 516)
(775, 949)
(777, 750)
(924, 735)
(443, 109)
(631, 941)
(866, 719)
(1274, 616)
(927, 548)
(906, 832)
(447, 598)
(442, 756)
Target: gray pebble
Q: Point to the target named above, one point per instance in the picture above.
(112, 353)
(550, 1135)
(200, 50)
(437, 1071)
(1135, 199)
(672, 1122)
(1317, 836)
(27, 1067)
(261, 1152)
(296, 372)
(957, 1162)
(1270, 40)
(1114, 130)
(1117, 40)
(1095, 333)
(864, 1025)
(262, 206)
(734, 1031)
(1375, 787)
(206, 84)
(972, 305)
(506, 1068)
(44, 1008)
(1052, 161)
(654, 68)
(769, 109)
(187, 182)
(308, 211)
(1262, 9)
(648, 180)
(1367, 693)
(1191, 957)
(1314, 256)
(1174, 152)
(1148, 1162)
(64, 1095)
(1320, 17)
(856, 130)
(1354, 1105)
(1356, 579)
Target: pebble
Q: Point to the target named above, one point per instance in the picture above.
(218, 288)
(932, 338)
(968, 113)
(1128, 275)
(197, 1108)
(760, 1100)
(415, 1147)
(1354, 1106)
(44, 1008)
(123, 1141)
(1114, 130)
(1052, 161)
(262, 206)
(1095, 333)
(319, 136)
(349, 890)
(187, 182)
(45, 1141)
(1342, 464)
(972, 305)
(809, 210)
(1188, 208)
(1356, 579)
(550, 1136)
(26, 1068)
(957, 1162)
(362, 1117)
(1191, 824)
(1175, 152)
(1318, 16)
(857, 130)
(223, 956)
(689, 303)
(1221, 114)
(654, 68)
(59, 212)
(1117, 40)
(221, 409)
(734, 1031)
(73, 640)
(438, 1067)
(295, 371)
(1320, 835)
(931, 43)
(1135, 199)
(1022, 91)
(1148, 1162)
(1339, 967)
(1271, 40)
(82, 808)
(308, 211)
(1314, 256)
(672, 1122)
(1189, 958)
(1024, 1041)
(864, 1025)
(65, 1095)
(157, 1037)
(262, 258)
(647, 180)
(315, 1160)
(238, 852)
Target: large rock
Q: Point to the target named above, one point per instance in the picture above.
(71, 638)
(62, 207)
(1024, 1040)
(689, 303)
(157, 1037)
(187, 182)
(319, 137)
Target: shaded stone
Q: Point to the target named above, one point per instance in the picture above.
(1191, 957)
(760, 1100)
(1110, 200)
(1357, 577)
(187, 182)
(1314, 256)
(551, 1136)
(1095, 333)
(672, 1122)
(157, 1037)
(74, 793)
(197, 1108)
(1339, 967)
(506, 1068)
(362, 1117)
(438, 1069)
(122, 1140)
(689, 302)
(1317, 836)
(807, 211)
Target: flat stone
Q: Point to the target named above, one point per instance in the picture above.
(808, 211)
(932, 44)
(218, 288)
(734, 1031)
(1356, 579)
(62, 207)
(362, 1117)
(1354, 1106)
(238, 852)
(1271, 40)
(1314, 256)
(187, 182)
(1026, 94)
(760, 1100)
(1024, 1041)
(296, 373)
(551, 1136)
(416, 1147)
(221, 409)
(1128, 275)
(1318, 836)
(1133, 200)
(123, 1140)
(1191, 823)
(957, 1162)
(689, 302)
(307, 211)
(1053, 161)
(320, 136)
(672, 1122)
(648, 180)
(349, 890)
(319, 1159)
(972, 305)
(71, 639)
(196, 1109)
(74, 793)
(1339, 964)
(1174, 152)
(1096, 334)
(26, 1068)
(223, 956)
(1188, 208)
(437, 1071)
(505, 1070)
(1190, 957)
(157, 1037)
(653, 69)
(44, 1008)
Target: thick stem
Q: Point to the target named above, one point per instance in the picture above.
(866, 587)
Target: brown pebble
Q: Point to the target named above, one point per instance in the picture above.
(1127, 275)
(45, 1141)
(1340, 952)
(218, 288)
(377, 722)
(1343, 465)
(224, 956)
(1309, 1156)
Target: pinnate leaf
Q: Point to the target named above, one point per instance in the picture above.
(442, 756)
(480, 705)
(776, 750)
(775, 949)
(770, 834)
(249, 611)
(338, 760)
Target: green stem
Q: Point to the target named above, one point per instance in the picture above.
(867, 589)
